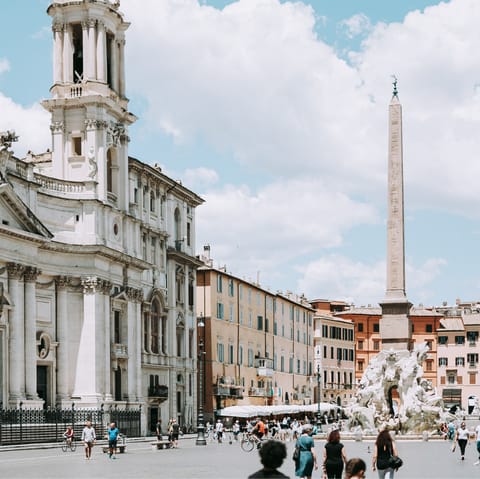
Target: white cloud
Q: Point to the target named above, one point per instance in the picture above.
(31, 124)
(358, 24)
(4, 65)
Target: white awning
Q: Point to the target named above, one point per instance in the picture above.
(281, 409)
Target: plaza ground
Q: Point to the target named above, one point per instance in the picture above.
(432, 459)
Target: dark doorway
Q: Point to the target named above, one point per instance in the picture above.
(42, 384)
(153, 419)
(118, 384)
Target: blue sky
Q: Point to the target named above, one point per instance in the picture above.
(275, 112)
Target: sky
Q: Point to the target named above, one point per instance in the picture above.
(275, 112)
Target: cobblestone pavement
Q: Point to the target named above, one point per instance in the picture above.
(432, 459)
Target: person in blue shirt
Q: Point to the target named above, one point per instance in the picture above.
(113, 433)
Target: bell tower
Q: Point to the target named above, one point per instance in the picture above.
(88, 106)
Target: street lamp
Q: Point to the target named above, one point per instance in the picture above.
(201, 441)
(319, 397)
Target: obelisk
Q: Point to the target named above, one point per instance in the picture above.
(395, 325)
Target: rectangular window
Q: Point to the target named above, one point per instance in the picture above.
(429, 328)
(324, 351)
(459, 339)
(460, 361)
(360, 327)
(260, 323)
(443, 361)
(442, 339)
(250, 357)
(230, 287)
(376, 345)
(472, 378)
(189, 234)
(230, 354)
(472, 359)
(282, 364)
(428, 365)
(77, 145)
(219, 283)
(232, 313)
(324, 331)
(220, 311)
(376, 327)
(360, 345)
(220, 356)
(332, 352)
(472, 337)
(360, 366)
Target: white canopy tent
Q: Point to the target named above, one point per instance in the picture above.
(286, 409)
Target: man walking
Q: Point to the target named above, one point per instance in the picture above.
(88, 438)
(113, 433)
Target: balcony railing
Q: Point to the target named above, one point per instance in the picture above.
(228, 391)
(119, 351)
(260, 392)
(158, 391)
(264, 367)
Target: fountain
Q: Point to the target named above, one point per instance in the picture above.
(419, 408)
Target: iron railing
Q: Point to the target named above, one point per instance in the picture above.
(19, 425)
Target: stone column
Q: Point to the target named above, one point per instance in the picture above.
(101, 53)
(67, 54)
(121, 62)
(57, 52)
(133, 370)
(90, 357)
(106, 287)
(85, 50)
(114, 57)
(92, 44)
(17, 334)
(63, 360)
(31, 275)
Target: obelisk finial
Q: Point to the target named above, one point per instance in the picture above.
(395, 91)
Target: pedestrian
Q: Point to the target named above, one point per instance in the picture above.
(477, 439)
(451, 431)
(272, 453)
(308, 458)
(461, 437)
(219, 430)
(333, 456)
(88, 438)
(113, 433)
(355, 468)
(174, 432)
(236, 429)
(158, 430)
(383, 450)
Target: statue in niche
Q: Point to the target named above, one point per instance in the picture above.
(93, 163)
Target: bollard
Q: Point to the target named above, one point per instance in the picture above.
(425, 435)
(358, 436)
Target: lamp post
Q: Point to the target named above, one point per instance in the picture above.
(201, 441)
(319, 397)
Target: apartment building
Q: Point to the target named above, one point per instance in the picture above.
(334, 340)
(256, 346)
(458, 352)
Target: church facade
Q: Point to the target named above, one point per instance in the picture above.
(97, 249)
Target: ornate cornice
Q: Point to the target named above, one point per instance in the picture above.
(134, 294)
(63, 282)
(57, 27)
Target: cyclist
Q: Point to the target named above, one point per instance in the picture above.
(68, 435)
(259, 429)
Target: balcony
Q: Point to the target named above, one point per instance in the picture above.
(119, 351)
(260, 392)
(264, 367)
(158, 392)
(228, 391)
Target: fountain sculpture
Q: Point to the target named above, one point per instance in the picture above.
(418, 409)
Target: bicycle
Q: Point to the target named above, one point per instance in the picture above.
(249, 441)
(69, 444)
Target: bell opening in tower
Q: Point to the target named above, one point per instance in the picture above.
(77, 41)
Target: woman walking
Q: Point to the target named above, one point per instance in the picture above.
(384, 449)
(461, 436)
(308, 459)
(333, 456)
